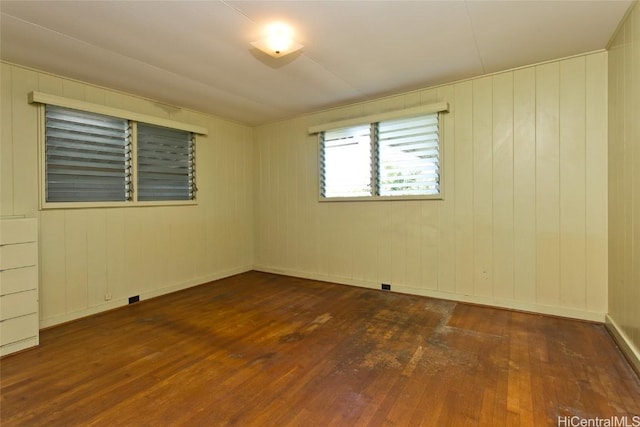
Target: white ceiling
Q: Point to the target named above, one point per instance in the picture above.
(196, 54)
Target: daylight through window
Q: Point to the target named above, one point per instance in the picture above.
(398, 158)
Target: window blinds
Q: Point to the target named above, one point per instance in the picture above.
(88, 156)
(399, 157)
(408, 156)
(165, 164)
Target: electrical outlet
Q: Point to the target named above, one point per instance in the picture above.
(107, 296)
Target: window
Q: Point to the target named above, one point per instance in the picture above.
(166, 169)
(87, 157)
(94, 155)
(408, 157)
(394, 158)
(346, 162)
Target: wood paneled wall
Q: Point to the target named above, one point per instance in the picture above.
(624, 184)
(523, 223)
(147, 251)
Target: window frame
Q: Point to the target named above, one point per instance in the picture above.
(43, 99)
(437, 108)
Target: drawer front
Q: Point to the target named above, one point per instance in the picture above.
(18, 328)
(19, 345)
(19, 255)
(18, 230)
(18, 280)
(20, 304)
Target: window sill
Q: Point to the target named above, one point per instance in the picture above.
(380, 198)
(98, 205)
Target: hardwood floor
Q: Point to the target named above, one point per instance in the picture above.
(265, 350)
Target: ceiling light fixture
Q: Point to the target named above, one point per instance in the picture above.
(278, 41)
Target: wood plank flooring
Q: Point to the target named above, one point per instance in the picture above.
(265, 350)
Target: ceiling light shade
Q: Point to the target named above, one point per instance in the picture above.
(278, 41)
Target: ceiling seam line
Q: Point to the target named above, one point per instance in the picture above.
(475, 38)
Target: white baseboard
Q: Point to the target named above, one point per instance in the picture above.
(472, 299)
(624, 342)
(115, 303)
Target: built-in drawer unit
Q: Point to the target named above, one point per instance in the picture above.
(19, 318)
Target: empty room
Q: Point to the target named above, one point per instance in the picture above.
(320, 213)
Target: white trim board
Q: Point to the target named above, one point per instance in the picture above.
(533, 308)
(624, 342)
(60, 101)
(115, 303)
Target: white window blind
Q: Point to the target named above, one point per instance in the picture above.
(408, 156)
(399, 157)
(87, 155)
(166, 167)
